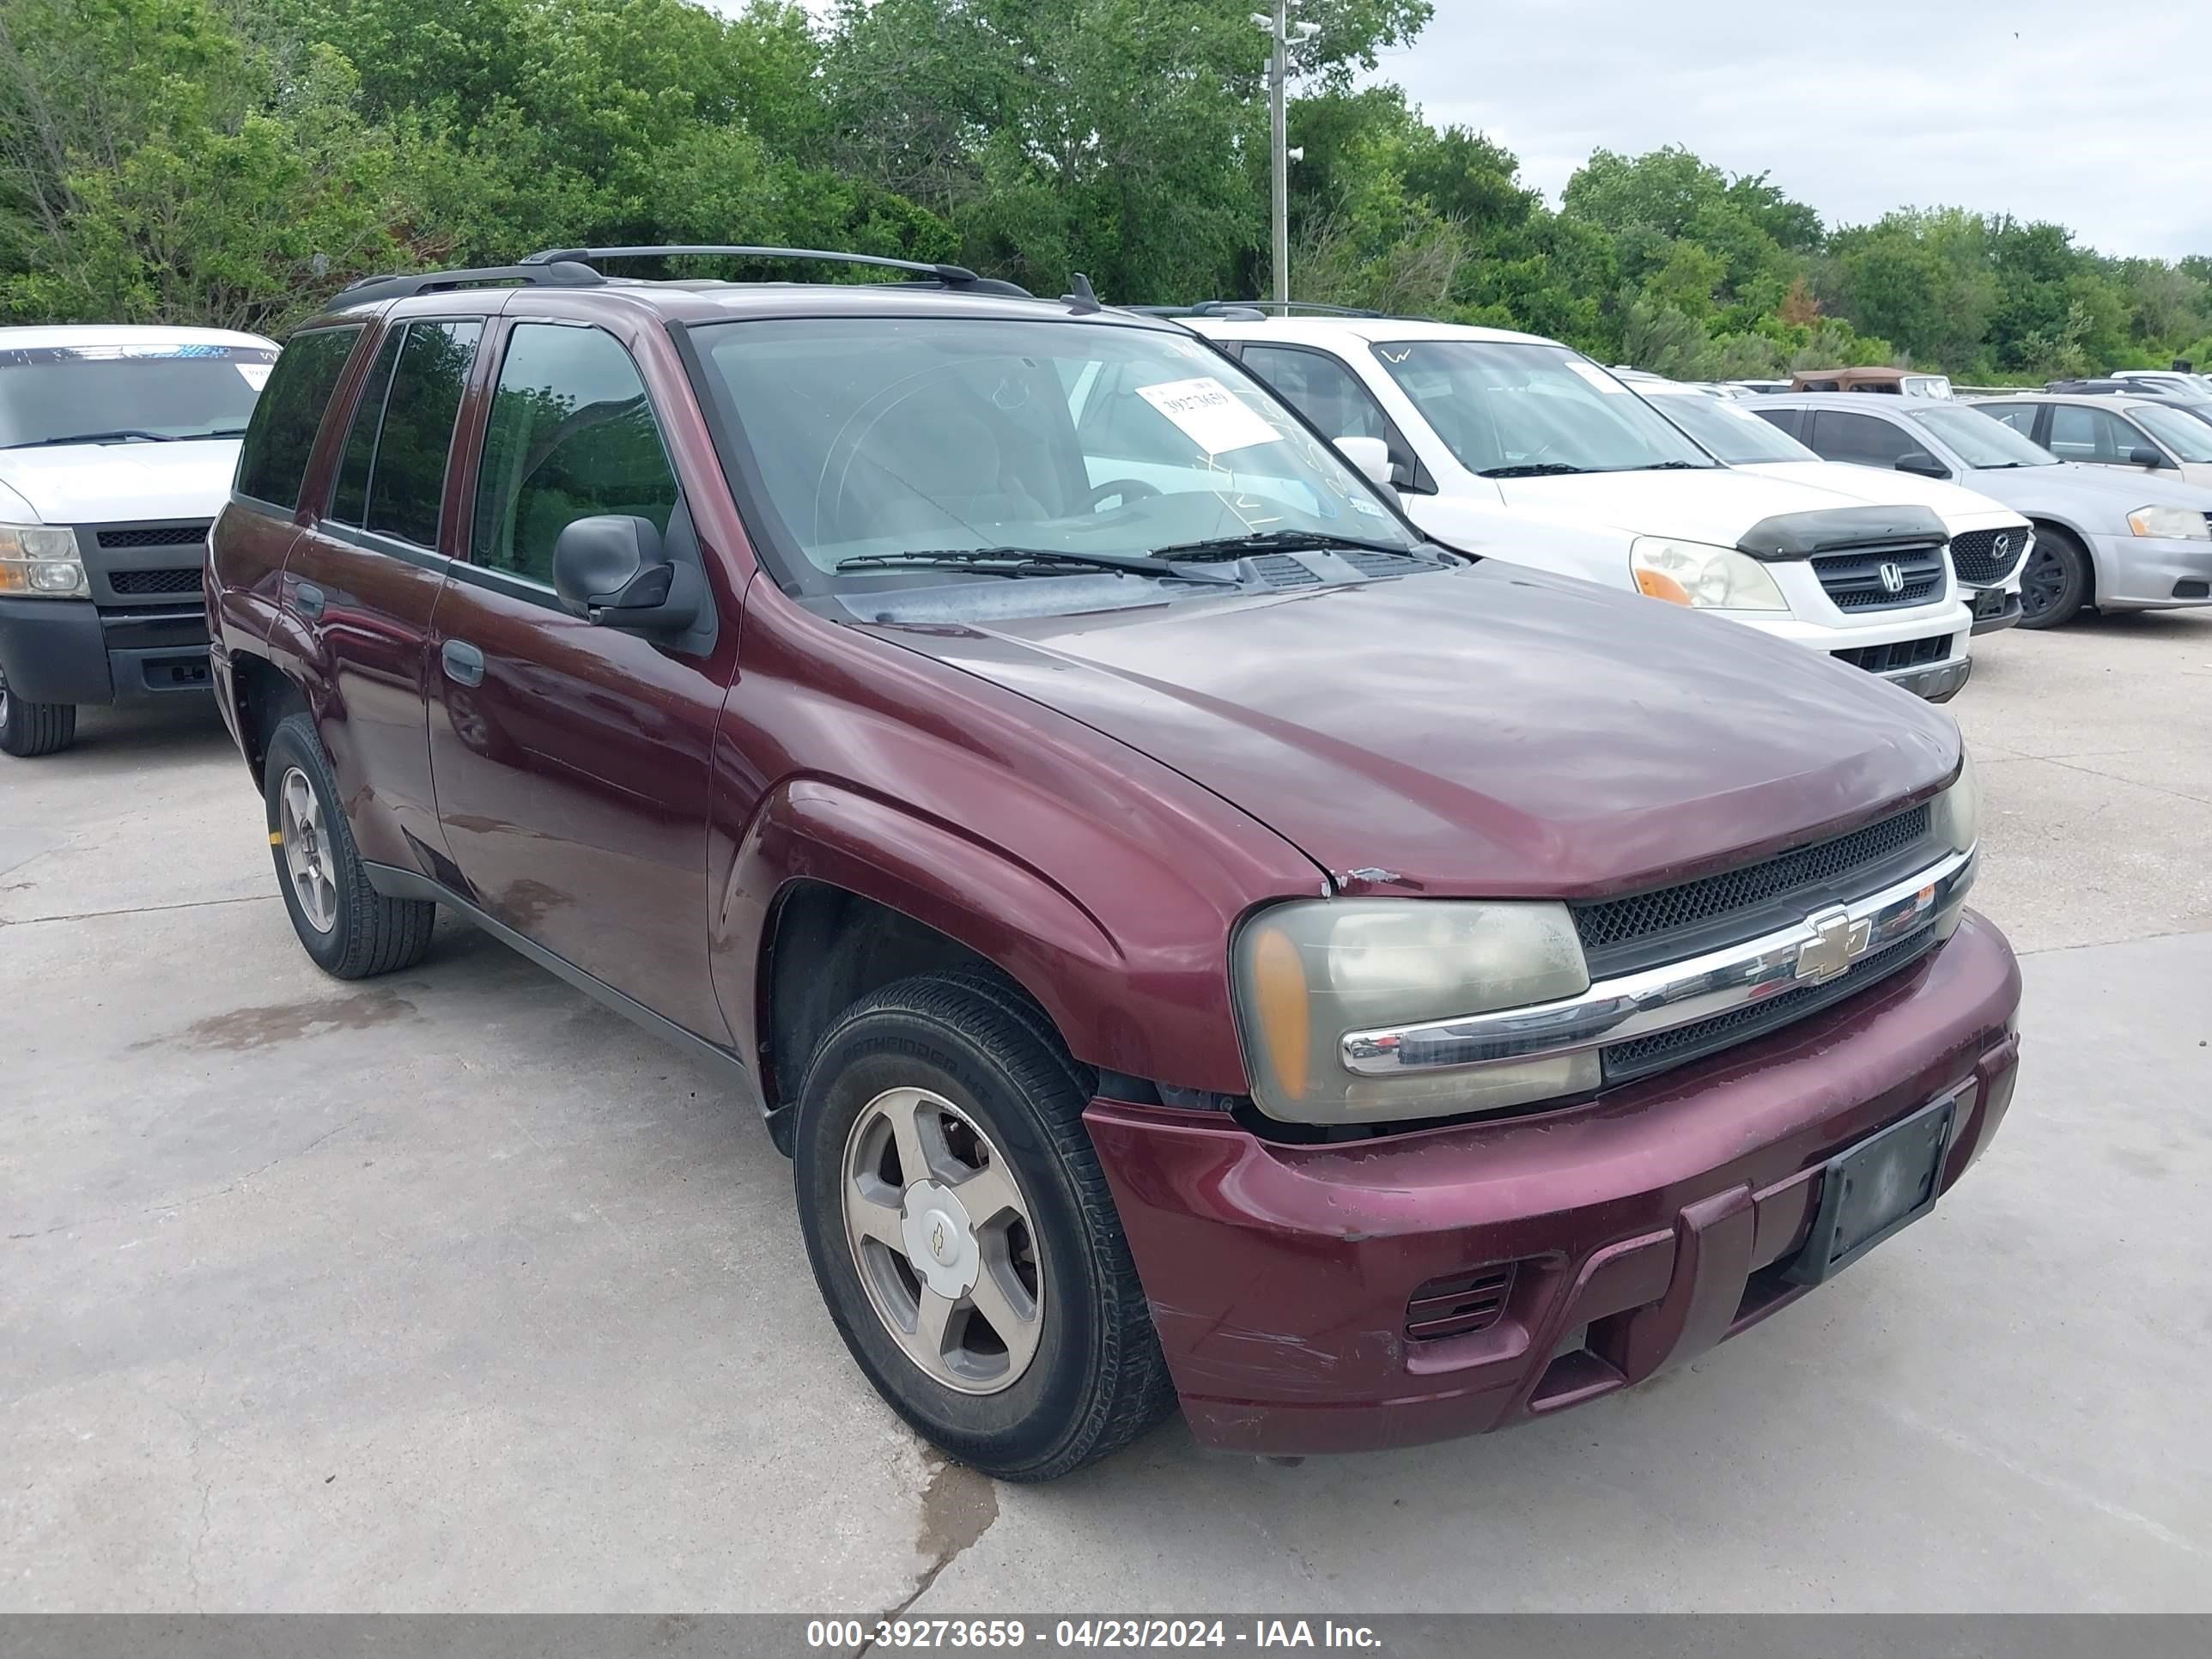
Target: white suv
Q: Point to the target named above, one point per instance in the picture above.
(1516, 446)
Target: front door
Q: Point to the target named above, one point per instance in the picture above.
(571, 761)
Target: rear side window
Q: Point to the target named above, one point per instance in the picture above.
(407, 480)
(351, 499)
(1792, 420)
(273, 457)
(571, 436)
(2020, 417)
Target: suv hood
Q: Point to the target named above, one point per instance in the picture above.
(113, 484)
(1487, 730)
(1960, 508)
(1715, 505)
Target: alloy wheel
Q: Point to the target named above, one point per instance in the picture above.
(943, 1239)
(307, 851)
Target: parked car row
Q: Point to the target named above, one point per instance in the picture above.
(1204, 936)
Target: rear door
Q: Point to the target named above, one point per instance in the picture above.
(572, 760)
(365, 577)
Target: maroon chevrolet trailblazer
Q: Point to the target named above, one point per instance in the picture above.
(1202, 944)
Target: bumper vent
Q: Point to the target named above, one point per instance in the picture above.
(1904, 653)
(160, 535)
(136, 583)
(1670, 922)
(1460, 1305)
(1861, 579)
(1983, 558)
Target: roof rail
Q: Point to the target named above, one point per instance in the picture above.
(954, 277)
(556, 273)
(1248, 311)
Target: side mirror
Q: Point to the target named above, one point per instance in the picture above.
(611, 571)
(1371, 456)
(2144, 455)
(1923, 465)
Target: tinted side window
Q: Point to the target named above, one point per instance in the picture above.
(1322, 389)
(571, 436)
(1859, 438)
(352, 494)
(273, 458)
(2020, 417)
(2092, 434)
(409, 476)
(1792, 420)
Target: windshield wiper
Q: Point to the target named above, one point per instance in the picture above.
(116, 436)
(1006, 562)
(1670, 466)
(1531, 470)
(1276, 541)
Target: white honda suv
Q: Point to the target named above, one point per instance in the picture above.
(1520, 448)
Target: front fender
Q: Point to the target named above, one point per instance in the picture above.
(1154, 1018)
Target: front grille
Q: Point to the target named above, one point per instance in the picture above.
(1855, 579)
(1644, 928)
(1641, 1056)
(1905, 653)
(1983, 558)
(1460, 1305)
(160, 535)
(132, 582)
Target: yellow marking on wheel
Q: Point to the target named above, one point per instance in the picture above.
(276, 837)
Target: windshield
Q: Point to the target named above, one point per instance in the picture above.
(1510, 410)
(1982, 440)
(128, 394)
(2182, 433)
(1730, 432)
(877, 437)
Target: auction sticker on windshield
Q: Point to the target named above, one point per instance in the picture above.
(1209, 414)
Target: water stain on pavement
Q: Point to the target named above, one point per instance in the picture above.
(244, 1029)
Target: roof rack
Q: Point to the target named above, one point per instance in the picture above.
(555, 273)
(1253, 311)
(953, 277)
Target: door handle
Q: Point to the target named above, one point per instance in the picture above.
(465, 664)
(310, 599)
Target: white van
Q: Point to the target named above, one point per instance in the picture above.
(117, 448)
(1516, 446)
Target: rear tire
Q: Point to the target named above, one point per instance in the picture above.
(2056, 584)
(349, 929)
(1081, 1373)
(29, 729)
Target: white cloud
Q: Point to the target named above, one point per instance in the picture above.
(2047, 109)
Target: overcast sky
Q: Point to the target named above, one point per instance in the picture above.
(2097, 116)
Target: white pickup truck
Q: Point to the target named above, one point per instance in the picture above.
(1519, 447)
(117, 448)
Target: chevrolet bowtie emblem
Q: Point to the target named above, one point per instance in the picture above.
(1839, 943)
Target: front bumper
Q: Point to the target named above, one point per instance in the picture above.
(73, 650)
(1938, 681)
(1643, 1228)
(2150, 573)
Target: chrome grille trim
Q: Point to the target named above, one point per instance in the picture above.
(1655, 1000)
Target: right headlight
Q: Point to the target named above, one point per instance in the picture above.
(38, 562)
(1956, 815)
(1708, 578)
(2170, 524)
(1310, 973)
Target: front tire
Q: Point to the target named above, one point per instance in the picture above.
(962, 1235)
(30, 729)
(348, 928)
(2056, 584)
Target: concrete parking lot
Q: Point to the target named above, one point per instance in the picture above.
(451, 1290)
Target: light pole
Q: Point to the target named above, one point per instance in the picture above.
(1282, 33)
